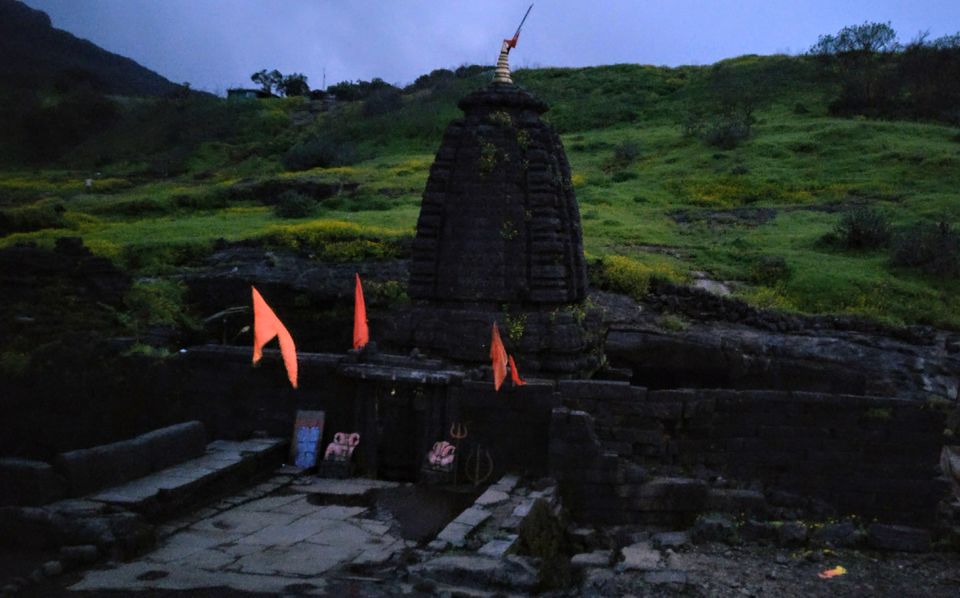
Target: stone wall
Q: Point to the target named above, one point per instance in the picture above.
(875, 457)
(513, 424)
(616, 448)
(399, 410)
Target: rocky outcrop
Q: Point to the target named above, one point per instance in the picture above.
(727, 344)
(313, 298)
(26, 271)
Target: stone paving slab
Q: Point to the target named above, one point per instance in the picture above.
(256, 546)
(499, 547)
(142, 576)
(344, 487)
(241, 523)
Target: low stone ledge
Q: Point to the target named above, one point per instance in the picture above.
(88, 470)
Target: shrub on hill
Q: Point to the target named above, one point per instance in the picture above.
(382, 101)
(931, 248)
(291, 204)
(769, 270)
(622, 274)
(31, 218)
(863, 228)
(321, 152)
(725, 130)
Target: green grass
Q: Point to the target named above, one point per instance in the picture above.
(797, 164)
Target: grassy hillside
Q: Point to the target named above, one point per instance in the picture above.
(663, 170)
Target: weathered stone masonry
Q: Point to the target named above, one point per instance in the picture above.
(870, 456)
(612, 445)
(499, 239)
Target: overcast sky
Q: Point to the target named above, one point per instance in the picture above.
(217, 44)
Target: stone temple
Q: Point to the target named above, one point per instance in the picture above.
(499, 239)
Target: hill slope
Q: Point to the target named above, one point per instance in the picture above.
(33, 54)
(662, 191)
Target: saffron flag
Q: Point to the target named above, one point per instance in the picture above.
(267, 325)
(361, 335)
(498, 355)
(514, 374)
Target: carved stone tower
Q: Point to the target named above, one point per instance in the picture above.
(499, 238)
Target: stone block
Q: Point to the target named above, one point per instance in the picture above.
(174, 444)
(671, 539)
(670, 494)
(599, 389)
(85, 554)
(792, 534)
(29, 483)
(661, 409)
(597, 558)
(666, 577)
(499, 547)
(713, 527)
(758, 531)
(477, 570)
(88, 470)
(898, 538)
(640, 557)
(732, 500)
(837, 535)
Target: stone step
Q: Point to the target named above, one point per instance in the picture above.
(224, 465)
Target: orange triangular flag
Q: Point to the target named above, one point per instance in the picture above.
(498, 355)
(267, 325)
(514, 374)
(361, 335)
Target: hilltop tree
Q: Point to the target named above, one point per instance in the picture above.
(862, 56)
(268, 81)
(867, 38)
(294, 85)
(360, 90)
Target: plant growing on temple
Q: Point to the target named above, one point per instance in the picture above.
(488, 157)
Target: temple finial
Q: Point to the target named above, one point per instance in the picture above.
(502, 73)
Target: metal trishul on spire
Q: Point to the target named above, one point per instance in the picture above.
(502, 72)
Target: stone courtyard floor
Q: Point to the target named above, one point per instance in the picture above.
(279, 543)
(305, 536)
